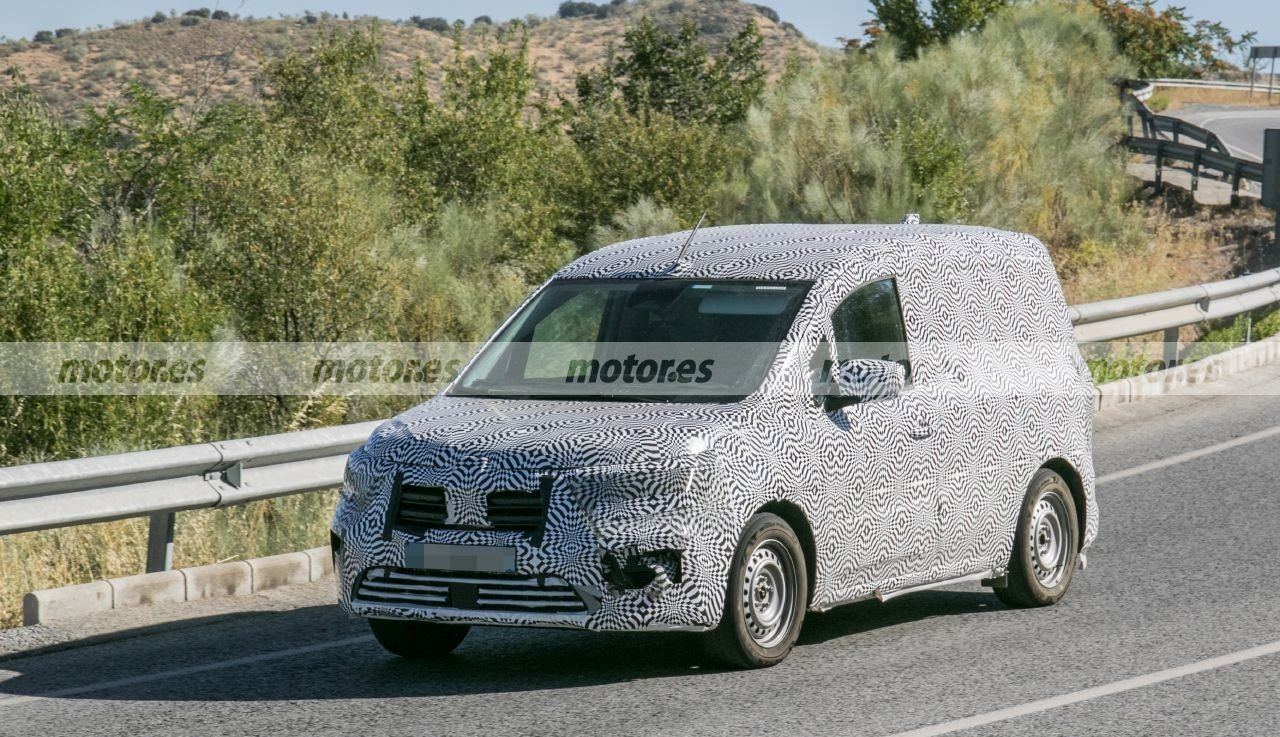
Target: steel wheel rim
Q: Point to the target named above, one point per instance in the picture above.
(769, 593)
(1050, 540)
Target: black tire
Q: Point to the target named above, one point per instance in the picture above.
(770, 557)
(417, 640)
(1039, 571)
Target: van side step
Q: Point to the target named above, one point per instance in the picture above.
(934, 585)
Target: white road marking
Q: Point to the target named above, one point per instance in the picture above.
(938, 729)
(13, 700)
(1128, 684)
(1190, 455)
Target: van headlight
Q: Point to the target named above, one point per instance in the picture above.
(615, 492)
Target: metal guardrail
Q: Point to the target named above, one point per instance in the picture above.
(160, 483)
(1126, 317)
(1210, 84)
(1202, 160)
(1162, 138)
(1155, 125)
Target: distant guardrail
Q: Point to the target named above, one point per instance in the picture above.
(1168, 139)
(160, 483)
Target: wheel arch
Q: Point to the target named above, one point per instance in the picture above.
(795, 517)
(1069, 474)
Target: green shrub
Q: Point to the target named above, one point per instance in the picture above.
(1010, 127)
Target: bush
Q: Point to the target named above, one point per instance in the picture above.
(197, 13)
(189, 20)
(65, 32)
(159, 17)
(576, 9)
(1011, 127)
(221, 15)
(43, 37)
(482, 20)
(439, 25)
(641, 219)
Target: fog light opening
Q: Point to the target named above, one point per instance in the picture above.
(633, 571)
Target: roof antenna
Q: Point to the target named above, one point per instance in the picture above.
(685, 248)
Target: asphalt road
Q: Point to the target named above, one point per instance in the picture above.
(1240, 128)
(1184, 572)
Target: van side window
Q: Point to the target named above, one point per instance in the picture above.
(868, 324)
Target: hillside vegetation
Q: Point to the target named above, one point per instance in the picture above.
(200, 60)
(346, 195)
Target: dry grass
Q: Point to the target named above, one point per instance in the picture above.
(215, 60)
(1179, 97)
(52, 558)
(1187, 244)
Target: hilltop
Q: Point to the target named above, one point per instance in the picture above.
(201, 59)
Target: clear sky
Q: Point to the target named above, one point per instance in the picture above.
(821, 20)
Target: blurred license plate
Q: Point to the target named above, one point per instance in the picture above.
(462, 558)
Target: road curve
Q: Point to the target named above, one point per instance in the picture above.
(1173, 630)
(1241, 128)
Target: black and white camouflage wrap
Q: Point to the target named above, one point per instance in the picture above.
(919, 488)
(870, 380)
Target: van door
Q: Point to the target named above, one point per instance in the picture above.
(892, 480)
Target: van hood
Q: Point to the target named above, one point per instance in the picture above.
(547, 435)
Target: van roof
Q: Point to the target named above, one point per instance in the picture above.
(792, 252)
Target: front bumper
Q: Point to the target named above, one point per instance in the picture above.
(577, 562)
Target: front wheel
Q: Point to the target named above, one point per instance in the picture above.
(766, 598)
(417, 640)
(1045, 547)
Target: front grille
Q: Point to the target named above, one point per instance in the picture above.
(519, 511)
(471, 592)
(421, 506)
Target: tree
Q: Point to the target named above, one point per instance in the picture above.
(439, 25)
(673, 74)
(914, 28)
(1168, 43)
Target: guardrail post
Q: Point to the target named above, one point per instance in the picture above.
(1271, 179)
(1159, 183)
(160, 542)
(1170, 347)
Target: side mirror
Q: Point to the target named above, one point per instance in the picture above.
(867, 380)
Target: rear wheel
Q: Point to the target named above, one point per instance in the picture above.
(766, 598)
(1045, 547)
(410, 639)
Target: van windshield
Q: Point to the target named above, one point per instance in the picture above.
(638, 340)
